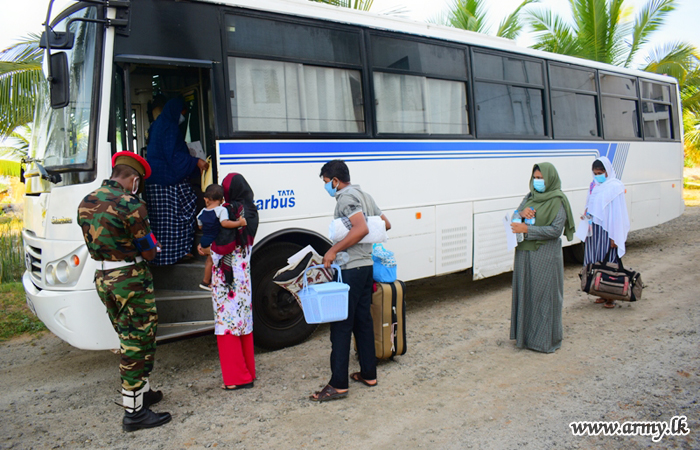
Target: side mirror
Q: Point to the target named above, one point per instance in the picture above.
(59, 40)
(59, 84)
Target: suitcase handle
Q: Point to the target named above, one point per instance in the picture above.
(321, 266)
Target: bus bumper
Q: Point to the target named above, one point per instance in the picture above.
(77, 317)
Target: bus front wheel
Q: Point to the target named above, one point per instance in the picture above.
(278, 321)
(577, 252)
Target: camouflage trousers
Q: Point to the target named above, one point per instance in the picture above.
(127, 293)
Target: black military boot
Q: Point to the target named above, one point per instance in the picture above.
(150, 397)
(136, 413)
(145, 418)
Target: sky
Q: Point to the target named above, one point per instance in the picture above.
(22, 16)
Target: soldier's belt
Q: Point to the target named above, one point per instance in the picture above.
(111, 265)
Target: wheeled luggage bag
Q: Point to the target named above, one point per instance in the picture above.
(389, 317)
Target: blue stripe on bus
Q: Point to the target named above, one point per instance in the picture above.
(297, 152)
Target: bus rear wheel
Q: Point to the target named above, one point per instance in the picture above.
(278, 321)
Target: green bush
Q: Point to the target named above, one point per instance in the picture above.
(15, 316)
(11, 251)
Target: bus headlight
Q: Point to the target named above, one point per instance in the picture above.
(62, 271)
(50, 276)
(66, 271)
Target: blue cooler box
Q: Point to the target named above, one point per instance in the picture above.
(324, 302)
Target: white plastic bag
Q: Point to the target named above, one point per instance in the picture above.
(339, 229)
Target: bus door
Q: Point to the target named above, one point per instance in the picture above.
(183, 308)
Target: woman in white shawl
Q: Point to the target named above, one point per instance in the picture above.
(607, 211)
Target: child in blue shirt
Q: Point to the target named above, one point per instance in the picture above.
(210, 220)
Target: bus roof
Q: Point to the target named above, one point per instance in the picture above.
(315, 10)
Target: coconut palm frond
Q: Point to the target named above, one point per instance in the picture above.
(20, 77)
(596, 27)
(512, 25)
(440, 18)
(468, 15)
(9, 168)
(552, 32)
(676, 59)
(691, 135)
(649, 19)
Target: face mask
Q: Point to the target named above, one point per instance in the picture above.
(330, 189)
(538, 185)
(182, 120)
(135, 186)
(600, 178)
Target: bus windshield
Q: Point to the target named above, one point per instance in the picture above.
(61, 137)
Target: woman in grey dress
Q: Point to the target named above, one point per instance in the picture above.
(538, 273)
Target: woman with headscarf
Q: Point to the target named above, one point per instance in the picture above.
(169, 195)
(607, 211)
(231, 287)
(538, 272)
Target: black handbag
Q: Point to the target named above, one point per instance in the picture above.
(611, 281)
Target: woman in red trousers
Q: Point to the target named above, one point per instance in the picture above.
(231, 287)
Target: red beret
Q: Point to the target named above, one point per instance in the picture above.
(132, 160)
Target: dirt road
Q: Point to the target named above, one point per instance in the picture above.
(462, 383)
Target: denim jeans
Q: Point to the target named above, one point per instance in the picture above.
(359, 323)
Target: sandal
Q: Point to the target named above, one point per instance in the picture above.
(357, 377)
(236, 387)
(609, 305)
(600, 300)
(328, 393)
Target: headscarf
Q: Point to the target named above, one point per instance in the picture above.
(239, 195)
(547, 204)
(606, 204)
(167, 152)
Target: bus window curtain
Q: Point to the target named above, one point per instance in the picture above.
(291, 97)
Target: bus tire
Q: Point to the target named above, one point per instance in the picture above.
(278, 321)
(577, 252)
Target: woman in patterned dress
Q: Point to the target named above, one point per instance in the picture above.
(538, 272)
(607, 210)
(231, 288)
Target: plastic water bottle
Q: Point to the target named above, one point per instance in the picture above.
(590, 224)
(341, 258)
(517, 219)
(530, 221)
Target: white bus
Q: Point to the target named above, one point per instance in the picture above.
(440, 125)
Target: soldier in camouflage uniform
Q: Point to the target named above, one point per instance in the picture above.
(118, 236)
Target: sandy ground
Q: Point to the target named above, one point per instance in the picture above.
(462, 383)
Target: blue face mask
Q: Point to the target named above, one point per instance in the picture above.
(330, 189)
(538, 184)
(600, 178)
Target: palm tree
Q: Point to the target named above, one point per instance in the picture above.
(11, 155)
(690, 97)
(20, 76)
(472, 15)
(599, 31)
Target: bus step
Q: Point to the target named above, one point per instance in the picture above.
(174, 331)
(180, 277)
(176, 307)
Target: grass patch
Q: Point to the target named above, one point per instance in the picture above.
(15, 316)
(11, 251)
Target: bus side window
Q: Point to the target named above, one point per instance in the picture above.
(574, 99)
(620, 106)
